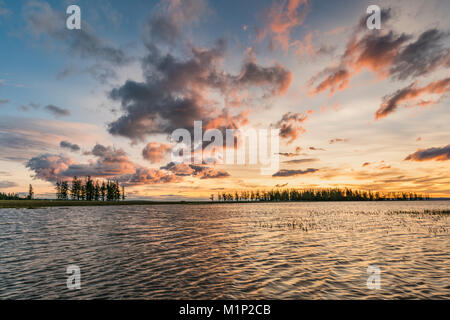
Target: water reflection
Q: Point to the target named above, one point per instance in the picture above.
(226, 251)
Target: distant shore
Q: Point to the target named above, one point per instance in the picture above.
(32, 204)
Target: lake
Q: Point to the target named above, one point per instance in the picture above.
(307, 250)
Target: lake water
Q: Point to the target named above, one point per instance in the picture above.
(227, 251)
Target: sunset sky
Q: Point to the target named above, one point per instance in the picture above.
(358, 108)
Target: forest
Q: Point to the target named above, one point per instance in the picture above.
(330, 194)
(89, 190)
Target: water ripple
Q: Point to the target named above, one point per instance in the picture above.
(226, 251)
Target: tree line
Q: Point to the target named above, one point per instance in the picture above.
(89, 190)
(15, 196)
(330, 194)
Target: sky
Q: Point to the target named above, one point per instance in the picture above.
(355, 107)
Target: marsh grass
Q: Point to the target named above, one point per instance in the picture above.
(425, 211)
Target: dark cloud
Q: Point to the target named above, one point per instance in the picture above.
(4, 101)
(7, 184)
(19, 141)
(290, 125)
(332, 141)
(385, 53)
(281, 185)
(410, 94)
(57, 111)
(42, 19)
(144, 176)
(276, 77)
(437, 154)
(201, 172)
(291, 154)
(423, 56)
(49, 167)
(168, 22)
(316, 149)
(290, 173)
(22, 138)
(70, 146)
(298, 161)
(174, 93)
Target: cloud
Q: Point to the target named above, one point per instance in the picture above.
(290, 125)
(144, 176)
(307, 47)
(385, 53)
(42, 19)
(276, 77)
(201, 172)
(365, 164)
(410, 94)
(281, 18)
(48, 26)
(111, 163)
(337, 80)
(290, 173)
(3, 101)
(155, 152)
(167, 23)
(57, 111)
(281, 185)
(7, 184)
(178, 91)
(421, 57)
(114, 163)
(23, 138)
(332, 141)
(49, 167)
(298, 161)
(70, 146)
(437, 154)
(291, 154)
(316, 149)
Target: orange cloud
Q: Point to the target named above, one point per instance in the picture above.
(290, 125)
(281, 18)
(410, 94)
(155, 152)
(437, 154)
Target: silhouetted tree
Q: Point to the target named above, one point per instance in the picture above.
(30, 192)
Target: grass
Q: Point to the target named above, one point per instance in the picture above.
(426, 211)
(31, 204)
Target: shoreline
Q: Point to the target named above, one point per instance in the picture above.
(32, 204)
